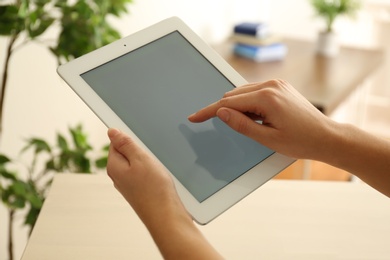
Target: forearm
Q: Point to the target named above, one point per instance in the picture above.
(177, 237)
(146, 185)
(362, 154)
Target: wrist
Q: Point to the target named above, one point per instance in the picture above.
(176, 235)
(169, 212)
(341, 146)
(331, 140)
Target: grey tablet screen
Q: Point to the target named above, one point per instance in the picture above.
(153, 89)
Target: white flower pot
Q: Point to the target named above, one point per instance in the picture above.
(327, 44)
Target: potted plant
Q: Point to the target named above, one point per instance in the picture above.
(329, 10)
(83, 26)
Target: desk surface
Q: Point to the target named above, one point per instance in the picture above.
(84, 217)
(325, 82)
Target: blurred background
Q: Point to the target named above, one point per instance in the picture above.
(39, 103)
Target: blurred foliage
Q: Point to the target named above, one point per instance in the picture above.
(79, 26)
(63, 157)
(331, 9)
(84, 25)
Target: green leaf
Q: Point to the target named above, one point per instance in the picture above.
(40, 27)
(23, 8)
(32, 216)
(118, 7)
(8, 175)
(80, 138)
(19, 188)
(84, 27)
(39, 145)
(81, 162)
(12, 199)
(4, 159)
(10, 21)
(50, 165)
(62, 143)
(106, 148)
(18, 202)
(34, 199)
(63, 161)
(42, 3)
(101, 163)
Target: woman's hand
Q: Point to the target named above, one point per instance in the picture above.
(289, 123)
(142, 180)
(146, 184)
(293, 127)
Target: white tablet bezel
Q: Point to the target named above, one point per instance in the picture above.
(210, 208)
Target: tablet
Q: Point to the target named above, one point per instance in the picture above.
(147, 84)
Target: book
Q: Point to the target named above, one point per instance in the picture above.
(258, 30)
(250, 40)
(273, 52)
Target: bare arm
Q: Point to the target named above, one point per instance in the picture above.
(149, 189)
(361, 154)
(292, 126)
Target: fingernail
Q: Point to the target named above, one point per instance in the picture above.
(223, 114)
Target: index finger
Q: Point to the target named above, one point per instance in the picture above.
(205, 113)
(211, 110)
(245, 103)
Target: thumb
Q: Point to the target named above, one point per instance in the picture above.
(241, 123)
(122, 143)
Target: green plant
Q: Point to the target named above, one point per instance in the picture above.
(64, 156)
(331, 9)
(83, 27)
(16, 194)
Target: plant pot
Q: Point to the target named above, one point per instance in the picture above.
(327, 44)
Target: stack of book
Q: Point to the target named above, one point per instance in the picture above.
(255, 41)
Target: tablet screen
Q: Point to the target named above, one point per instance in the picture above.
(153, 89)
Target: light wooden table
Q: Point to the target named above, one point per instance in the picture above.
(325, 82)
(84, 217)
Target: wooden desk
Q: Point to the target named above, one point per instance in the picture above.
(325, 82)
(84, 217)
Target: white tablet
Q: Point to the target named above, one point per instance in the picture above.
(147, 84)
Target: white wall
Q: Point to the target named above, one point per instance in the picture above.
(38, 103)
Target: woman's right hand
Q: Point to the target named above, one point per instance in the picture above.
(291, 125)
